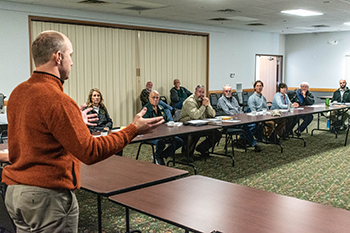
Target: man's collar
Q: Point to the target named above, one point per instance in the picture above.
(41, 72)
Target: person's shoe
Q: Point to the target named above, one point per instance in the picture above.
(204, 153)
(297, 133)
(257, 148)
(158, 159)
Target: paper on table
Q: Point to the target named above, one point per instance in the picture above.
(284, 110)
(198, 121)
(176, 124)
(298, 109)
(316, 106)
(232, 121)
(258, 113)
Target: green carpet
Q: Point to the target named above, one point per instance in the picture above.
(319, 172)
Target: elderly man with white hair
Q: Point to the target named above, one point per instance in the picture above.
(303, 97)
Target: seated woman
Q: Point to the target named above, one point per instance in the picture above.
(281, 101)
(95, 101)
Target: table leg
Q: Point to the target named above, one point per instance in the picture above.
(99, 213)
(127, 219)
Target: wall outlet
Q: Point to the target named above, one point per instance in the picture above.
(232, 75)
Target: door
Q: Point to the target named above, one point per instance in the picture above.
(269, 70)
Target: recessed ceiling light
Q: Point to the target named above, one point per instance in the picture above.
(301, 12)
(347, 23)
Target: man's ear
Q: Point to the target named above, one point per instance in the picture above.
(58, 57)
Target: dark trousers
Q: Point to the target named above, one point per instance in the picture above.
(212, 138)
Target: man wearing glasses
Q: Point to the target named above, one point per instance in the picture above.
(155, 110)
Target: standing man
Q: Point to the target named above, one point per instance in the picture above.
(47, 140)
(230, 107)
(154, 110)
(257, 102)
(196, 107)
(303, 97)
(178, 94)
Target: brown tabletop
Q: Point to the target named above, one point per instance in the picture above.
(119, 174)
(167, 131)
(203, 204)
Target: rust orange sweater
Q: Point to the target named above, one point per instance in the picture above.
(47, 136)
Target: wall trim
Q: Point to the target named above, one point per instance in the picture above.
(289, 88)
(233, 90)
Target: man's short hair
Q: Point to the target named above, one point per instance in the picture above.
(281, 85)
(46, 44)
(305, 83)
(258, 81)
(227, 85)
(199, 86)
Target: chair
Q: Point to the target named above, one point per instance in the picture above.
(245, 97)
(177, 114)
(213, 100)
(163, 98)
(3, 136)
(235, 95)
(152, 145)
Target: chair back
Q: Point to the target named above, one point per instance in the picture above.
(235, 95)
(245, 98)
(163, 98)
(177, 115)
(213, 100)
(3, 136)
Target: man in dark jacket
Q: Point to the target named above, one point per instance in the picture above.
(178, 94)
(154, 109)
(303, 97)
(341, 95)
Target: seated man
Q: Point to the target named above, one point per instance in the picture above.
(257, 102)
(230, 107)
(178, 95)
(154, 110)
(341, 95)
(198, 107)
(281, 101)
(303, 97)
(144, 100)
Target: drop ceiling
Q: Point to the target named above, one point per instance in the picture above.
(257, 15)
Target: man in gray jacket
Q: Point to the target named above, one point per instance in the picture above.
(197, 107)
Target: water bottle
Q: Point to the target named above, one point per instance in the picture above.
(328, 124)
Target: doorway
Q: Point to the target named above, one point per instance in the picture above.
(268, 69)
